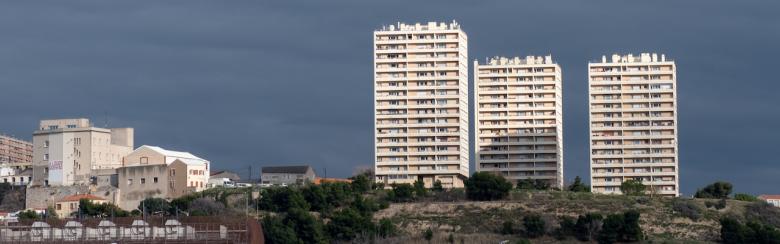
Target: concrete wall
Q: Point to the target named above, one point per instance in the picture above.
(133, 193)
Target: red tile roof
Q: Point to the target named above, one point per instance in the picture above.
(77, 197)
(765, 197)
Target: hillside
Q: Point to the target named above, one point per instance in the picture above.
(662, 219)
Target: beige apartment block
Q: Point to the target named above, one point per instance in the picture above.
(518, 118)
(68, 151)
(151, 171)
(633, 123)
(421, 103)
(15, 160)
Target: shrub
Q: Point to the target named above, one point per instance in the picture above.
(401, 193)
(361, 183)
(567, 228)
(534, 226)
(731, 231)
(578, 186)
(307, 228)
(745, 197)
(154, 206)
(508, 228)
(632, 188)
(621, 227)
(28, 215)
(485, 186)
(347, 224)
(419, 189)
(206, 206)
(428, 234)
(763, 212)
(437, 186)
(276, 232)
(721, 204)
(716, 190)
(588, 226)
(386, 228)
(687, 208)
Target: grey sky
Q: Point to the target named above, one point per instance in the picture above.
(281, 82)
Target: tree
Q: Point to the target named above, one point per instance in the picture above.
(525, 184)
(716, 190)
(91, 209)
(401, 193)
(316, 196)
(276, 232)
(567, 228)
(361, 183)
(154, 206)
(578, 186)
(632, 188)
(631, 230)
(419, 188)
(588, 226)
(732, 231)
(348, 224)
(745, 197)
(540, 184)
(610, 230)
(437, 186)
(534, 226)
(308, 229)
(486, 186)
(386, 228)
(508, 228)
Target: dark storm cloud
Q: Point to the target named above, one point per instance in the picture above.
(274, 82)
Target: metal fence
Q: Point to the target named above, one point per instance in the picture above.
(135, 230)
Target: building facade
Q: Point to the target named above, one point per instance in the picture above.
(15, 160)
(151, 171)
(67, 151)
(518, 118)
(421, 104)
(774, 200)
(287, 175)
(69, 205)
(633, 123)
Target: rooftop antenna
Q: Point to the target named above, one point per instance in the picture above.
(105, 119)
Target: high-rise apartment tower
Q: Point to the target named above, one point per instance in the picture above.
(421, 104)
(518, 118)
(633, 123)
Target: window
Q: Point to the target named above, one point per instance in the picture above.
(144, 160)
(46, 143)
(46, 156)
(143, 181)
(53, 127)
(129, 182)
(154, 180)
(59, 206)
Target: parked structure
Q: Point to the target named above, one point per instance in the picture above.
(156, 172)
(518, 118)
(67, 151)
(68, 205)
(287, 175)
(421, 104)
(15, 160)
(771, 199)
(633, 123)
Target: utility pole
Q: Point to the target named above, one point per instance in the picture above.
(250, 173)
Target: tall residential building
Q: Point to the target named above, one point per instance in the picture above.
(421, 104)
(15, 160)
(69, 151)
(633, 123)
(518, 118)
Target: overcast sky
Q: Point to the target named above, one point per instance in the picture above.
(285, 82)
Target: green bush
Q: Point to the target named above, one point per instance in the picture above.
(428, 234)
(154, 206)
(715, 190)
(401, 193)
(687, 208)
(732, 231)
(534, 226)
(386, 228)
(486, 186)
(621, 228)
(745, 197)
(507, 228)
(633, 188)
(437, 186)
(277, 232)
(588, 226)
